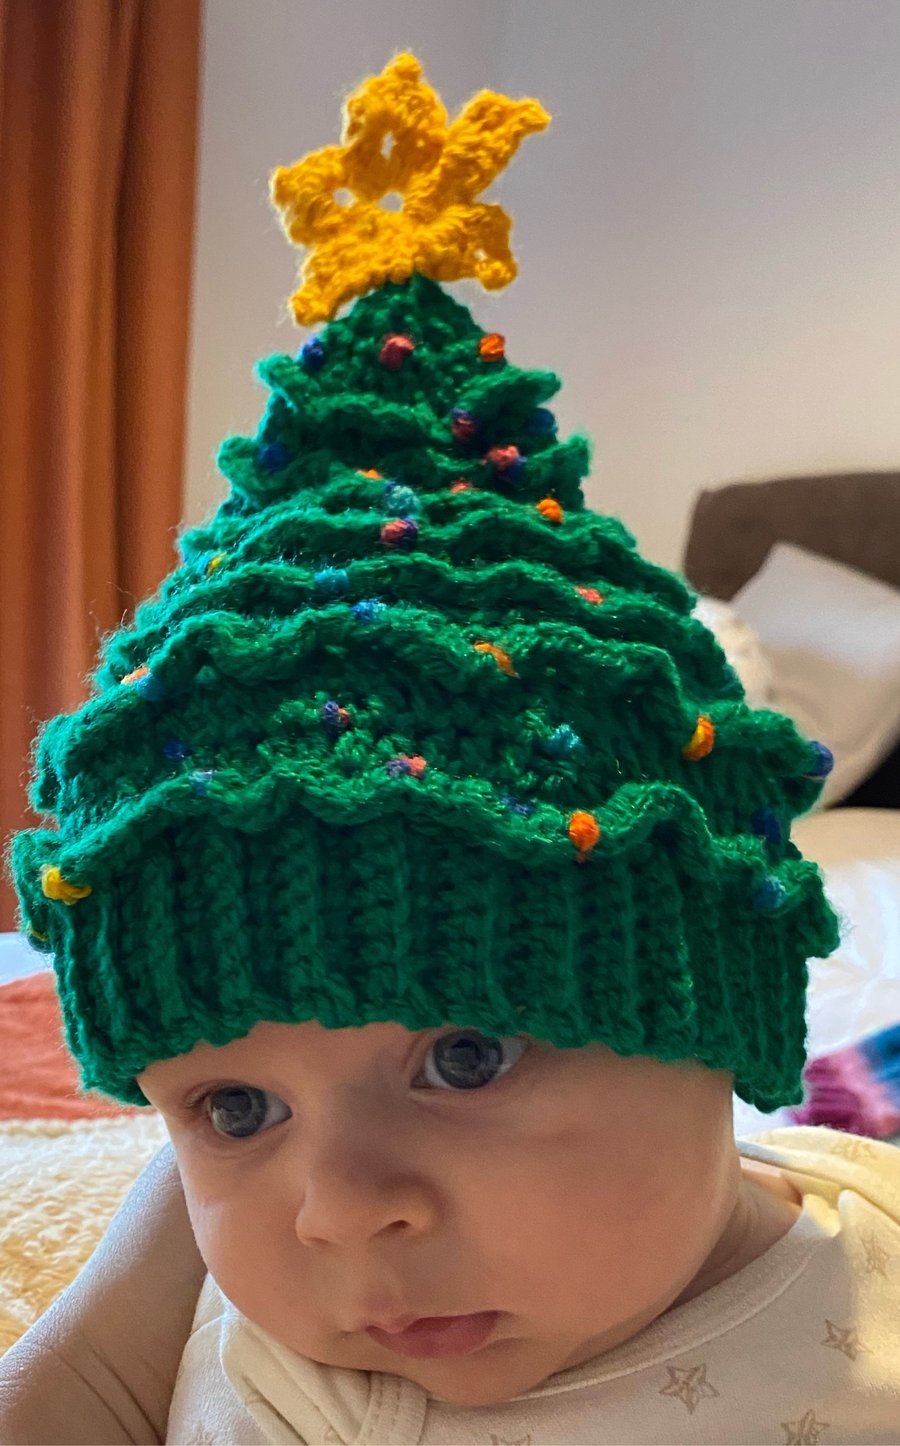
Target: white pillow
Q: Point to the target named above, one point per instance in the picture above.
(832, 637)
(741, 647)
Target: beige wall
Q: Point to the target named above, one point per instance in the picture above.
(709, 233)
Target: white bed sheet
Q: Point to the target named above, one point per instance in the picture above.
(853, 993)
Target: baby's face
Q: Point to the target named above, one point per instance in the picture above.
(340, 1177)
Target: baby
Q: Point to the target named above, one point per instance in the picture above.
(482, 1216)
(421, 862)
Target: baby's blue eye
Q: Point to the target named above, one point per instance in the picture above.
(466, 1059)
(462, 1059)
(239, 1109)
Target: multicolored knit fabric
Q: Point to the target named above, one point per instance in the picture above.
(411, 734)
(856, 1088)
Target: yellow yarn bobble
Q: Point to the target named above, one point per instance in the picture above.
(215, 562)
(702, 738)
(549, 507)
(441, 230)
(56, 887)
(502, 659)
(584, 831)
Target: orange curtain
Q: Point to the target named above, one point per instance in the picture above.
(98, 142)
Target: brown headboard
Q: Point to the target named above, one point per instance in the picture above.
(853, 517)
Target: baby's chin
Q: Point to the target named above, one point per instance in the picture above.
(500, 1371)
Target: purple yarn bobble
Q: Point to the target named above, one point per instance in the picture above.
(463, 424)
(823, 761)
(766, 822)
(332, 581)
(335, 719)
(404, 766)
(507, 462)
(274, 456)
(770, 895)
(399, 501)
(312, 354)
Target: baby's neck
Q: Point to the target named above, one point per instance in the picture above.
(766, 1208)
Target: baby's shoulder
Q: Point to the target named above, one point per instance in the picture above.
(828, 1162)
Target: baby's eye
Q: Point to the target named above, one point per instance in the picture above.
(466, 1059)
(236, 1111)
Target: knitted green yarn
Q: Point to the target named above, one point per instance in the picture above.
(330, 771)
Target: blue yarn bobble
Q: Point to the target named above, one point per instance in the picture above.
(332, 581)
(823, 761)
(399, 501)
(274, 456)
(201, 779)
(766, 822)
(770, 895)
(516, 805)
(543, 421)
(208, 562)
(563, 741)
(176, 751)
(367, 609)
(150, 688)
(312, 354)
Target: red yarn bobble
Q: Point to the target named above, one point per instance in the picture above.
(395, 351)
(400, 532)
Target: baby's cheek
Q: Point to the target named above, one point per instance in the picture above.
(233, 1234)
(583, 1229)
(257, 1271)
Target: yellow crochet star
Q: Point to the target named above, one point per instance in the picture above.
(397, 140)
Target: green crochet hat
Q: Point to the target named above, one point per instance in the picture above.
(411, 734)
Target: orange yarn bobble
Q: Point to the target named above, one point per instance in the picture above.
(492, 347)
(584, 831)
(133, 677)
(370, 472)
(461, 486)
(590, 594)
(549, 507)
(503, 660)
(702, 739)
(56, 887)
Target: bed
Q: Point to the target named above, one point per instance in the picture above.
(851, 521)
(67, 1160)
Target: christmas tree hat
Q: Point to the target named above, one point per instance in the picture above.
(412, 734)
